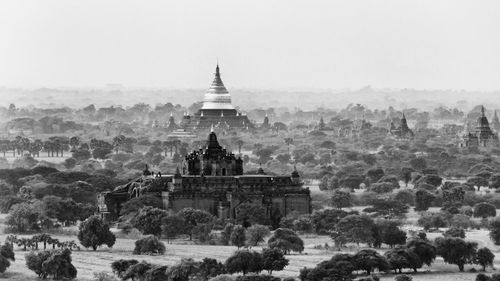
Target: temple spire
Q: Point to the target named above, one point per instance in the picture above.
(482, 110)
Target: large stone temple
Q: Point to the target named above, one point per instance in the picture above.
(217, 110)
(212, 179)
(482, 135)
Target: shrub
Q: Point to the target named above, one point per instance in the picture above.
(455, 232)
(382, 187)
(119, 267)
(223, 277)
(482, 277)
(6, 255)
(257, 278)
(51, 263)
(103, 276)
(403, 277)
(150, 245)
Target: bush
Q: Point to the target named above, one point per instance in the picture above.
(150, 245)
(257, 278)
(103, 276)
(482, 277)
(403, 277)
(455, 232)
(223, 277)
(383, 187)
(52, 263)
(119, 267)
(6, 255)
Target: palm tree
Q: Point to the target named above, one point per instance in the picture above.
(48, 146)
(288, 142)
(4, 146)
(239, 143)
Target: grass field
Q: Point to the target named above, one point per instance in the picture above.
(87, 261)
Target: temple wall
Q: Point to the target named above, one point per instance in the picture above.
(297, 203)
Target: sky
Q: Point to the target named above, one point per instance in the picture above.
(282, 44)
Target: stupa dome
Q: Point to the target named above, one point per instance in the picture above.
(217, 96)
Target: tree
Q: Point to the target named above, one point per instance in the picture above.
(273, 260)
(137, 271)
(251, 213)
(325, 220)
(23, 217)
(392, 235)
(185, 270)
(256, 234)
(119, 267)
(477, 181)
(484, 210)
(93, 232)
(455, 232)
(381, 187)
(150, 245)
(401, 257)
(432, 220)
(405, 175)
(135, 204)
(338, 268)
(484, 257)
(425, 251)
(356, 228)
(288, 142)
(226, 233)
(286, 240)
(238, 236)
(418, 163)
(368, 260)
(51, 263)
(193, 217)
(210, 268)
(423, 200)
(495, 231)
(456, 251)
(341, 199)
(148, 220)
(244, 261)
(351, 181)
(172, 226)
(388, 207)
(6, 255)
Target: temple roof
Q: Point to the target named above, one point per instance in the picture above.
(217, 96)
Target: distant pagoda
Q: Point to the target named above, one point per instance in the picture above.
(482, 135)
(217, 110)
(401, 132)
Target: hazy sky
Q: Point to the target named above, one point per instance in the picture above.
(260, 44)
